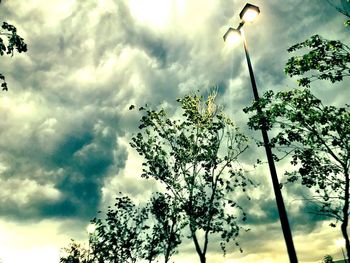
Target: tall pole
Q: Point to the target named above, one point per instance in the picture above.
(276, 186)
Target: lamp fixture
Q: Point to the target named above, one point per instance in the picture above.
(249, 13)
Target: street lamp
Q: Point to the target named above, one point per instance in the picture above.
(248, 14)
(232, 36)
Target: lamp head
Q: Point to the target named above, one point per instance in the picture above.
(249, 13)
(232, 36)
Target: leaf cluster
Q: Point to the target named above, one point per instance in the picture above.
(120, 236)
(326, 60)
(315, 137)
(130, 233)
(12, 42)
(195, 157)
(165, 236)
(15, 42)
(75, 253)
(327, 259)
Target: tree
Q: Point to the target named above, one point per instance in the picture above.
(130, 233)
(327, 60)
(195, 159)
(8, 46)
(120, 237)
(316, 137)
(165, 236)
(75, 253)
(327, 259)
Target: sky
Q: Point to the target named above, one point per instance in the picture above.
(65, 126)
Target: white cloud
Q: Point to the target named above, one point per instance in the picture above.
(32, 242)
(29, 190)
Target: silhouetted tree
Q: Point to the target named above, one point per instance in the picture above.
(74, 253)
(317, 139)
(315, 136)
(131, 233)
(120, 237)
(165, 235)
(327, 259)
(326, 60)
(195, 158)
(8, 45)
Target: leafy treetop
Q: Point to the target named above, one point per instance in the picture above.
(327, 60)
(316, 137)
(195, 158)
(8, 46)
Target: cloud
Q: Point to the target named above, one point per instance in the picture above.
(70, 157)
(60, 133)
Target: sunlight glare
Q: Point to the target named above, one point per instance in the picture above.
(155, 13)
(5, 102)
(233, 38)
(91, 228)
(84, 75)
(340, 242)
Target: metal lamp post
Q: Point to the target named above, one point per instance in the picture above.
(248, 14)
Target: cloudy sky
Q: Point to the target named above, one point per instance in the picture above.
(65, 126)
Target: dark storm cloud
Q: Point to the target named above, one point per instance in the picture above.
(76, 166)
(77, 159)
(72, 157)
(304, 214)
(267, 212)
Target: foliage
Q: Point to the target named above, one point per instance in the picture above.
(165, 236)
(327, 59)
(15, 42)
(119, 238)
(130, 233)
(317, 138)
(11, 43)
(327, 259)
(195, 158)
(75, 253)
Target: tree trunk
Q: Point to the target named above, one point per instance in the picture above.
(166, 259)
(197, 246)
(344, 225)
(167, 253)
(202, 258)
(169, 244)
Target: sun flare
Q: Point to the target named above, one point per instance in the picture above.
(155, 13)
